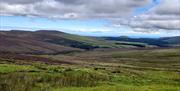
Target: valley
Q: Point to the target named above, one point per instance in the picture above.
(41, 61)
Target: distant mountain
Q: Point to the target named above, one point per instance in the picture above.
(171, 40)
(24, 42)
(52, 42)
(47, 42)
(160, 42)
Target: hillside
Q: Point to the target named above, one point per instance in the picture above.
(53, 42)
(159, 42)
(110, 70)
(59, 38)
(50, 41)
(172, 40)
(126, 63)
(22, 42)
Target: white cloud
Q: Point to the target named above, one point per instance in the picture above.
(71, 8)
(168, 7)
(164, 16)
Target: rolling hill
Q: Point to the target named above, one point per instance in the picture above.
(50, 41)
(159, 42)
(53, 42)
(23, 42)
(171, 40)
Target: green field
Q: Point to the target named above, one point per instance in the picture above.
(100, 70)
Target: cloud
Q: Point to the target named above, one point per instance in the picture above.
(71, 8)
(168, 7)
(19, 1)
(164, 16)
(154, 22)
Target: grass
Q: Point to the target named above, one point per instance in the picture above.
(120, 87)
(43, 77)
(8, 68)
(102, 43)
(132, 70)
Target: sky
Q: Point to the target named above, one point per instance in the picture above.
(133, 18)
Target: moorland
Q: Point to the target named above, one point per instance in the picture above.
(57, 61)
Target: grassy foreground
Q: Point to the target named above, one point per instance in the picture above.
(132, 70)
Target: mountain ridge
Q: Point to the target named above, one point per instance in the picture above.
(53, 41)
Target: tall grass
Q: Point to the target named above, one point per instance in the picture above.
(146, 70)
(121, 87)
(45, 80)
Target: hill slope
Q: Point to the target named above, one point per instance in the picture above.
(160, 42)
(52, 42)
(22, 42)
(172, 40)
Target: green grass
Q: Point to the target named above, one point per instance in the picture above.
(123, 88)
(8, 68)
(102, 43)
(44, 77)
(133, 70)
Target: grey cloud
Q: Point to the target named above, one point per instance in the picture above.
(169, 7)
(19, 1)
(152, 23)
(164, 16)
(80, 8)
(73, 2)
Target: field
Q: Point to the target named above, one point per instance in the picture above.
(147, 69)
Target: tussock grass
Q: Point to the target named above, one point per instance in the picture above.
(137, 70)
(35, 78)
(121, 87)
